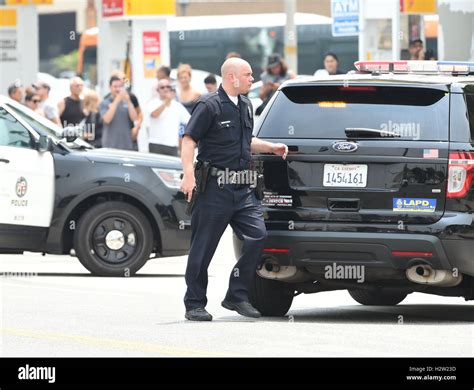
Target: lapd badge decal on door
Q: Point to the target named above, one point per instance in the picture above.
(21, 187)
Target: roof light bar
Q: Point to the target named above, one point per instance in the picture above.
(456, 67)
(381, 66)
(417, 67)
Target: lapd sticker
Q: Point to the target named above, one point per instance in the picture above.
(21, 187)
(414, 205)
(274, 199)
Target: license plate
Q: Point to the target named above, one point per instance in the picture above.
(341, 175)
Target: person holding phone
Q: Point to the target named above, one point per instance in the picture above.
(276, 73)
(117, 111)
(166, 117)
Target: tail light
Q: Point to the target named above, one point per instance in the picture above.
(460, 174)
(411, 254)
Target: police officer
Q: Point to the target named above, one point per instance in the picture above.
(221, 125)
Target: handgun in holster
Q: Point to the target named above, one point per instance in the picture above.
(201, 174)
(260, 187)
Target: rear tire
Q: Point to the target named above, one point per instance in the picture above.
(379, 297)
(113, 239)
(271, 298)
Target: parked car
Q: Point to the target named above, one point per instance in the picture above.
(116, 209)
(254, 95)
(376, 195)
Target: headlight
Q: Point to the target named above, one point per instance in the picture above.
(170, 177)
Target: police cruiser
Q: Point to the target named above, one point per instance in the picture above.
(114, 209)
(376, 195)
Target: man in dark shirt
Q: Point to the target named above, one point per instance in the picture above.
(221, 125)
(70, 108)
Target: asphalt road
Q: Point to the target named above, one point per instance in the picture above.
(61, 310)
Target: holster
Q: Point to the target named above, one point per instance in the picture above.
(201, 174)
(260, 187)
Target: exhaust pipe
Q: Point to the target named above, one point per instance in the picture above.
(271, 269)
(423, 273)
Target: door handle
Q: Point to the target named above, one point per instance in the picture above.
(4, 160)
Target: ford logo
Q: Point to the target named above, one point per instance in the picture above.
(345, 146)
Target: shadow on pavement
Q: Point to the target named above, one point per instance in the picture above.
(390, 315)
(382, 315)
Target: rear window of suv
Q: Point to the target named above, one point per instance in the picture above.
(316, 112)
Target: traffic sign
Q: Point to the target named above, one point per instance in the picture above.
(345, 18)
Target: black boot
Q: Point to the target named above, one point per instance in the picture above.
(243, 308)
(199, 314)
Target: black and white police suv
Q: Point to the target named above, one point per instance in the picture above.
(115, 209)
(376, 195)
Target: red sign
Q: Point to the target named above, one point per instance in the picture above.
(112, 8)
(151, 43)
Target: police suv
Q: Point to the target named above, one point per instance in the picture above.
(376, 195)
(115, 209)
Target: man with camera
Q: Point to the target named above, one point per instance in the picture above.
(166, 116)
(221, 126)
(118, 111)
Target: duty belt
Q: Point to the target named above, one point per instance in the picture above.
(232, 176)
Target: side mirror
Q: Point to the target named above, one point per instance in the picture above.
(71, 133)
(45, 144)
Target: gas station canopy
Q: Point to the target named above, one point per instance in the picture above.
(130, 8)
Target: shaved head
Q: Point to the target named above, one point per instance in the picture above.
(233, 66)
(76, 86)
(236, 76)
(76, 80)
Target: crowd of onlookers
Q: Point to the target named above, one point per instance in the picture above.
(116, 120)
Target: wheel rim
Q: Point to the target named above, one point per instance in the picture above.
(114, 240)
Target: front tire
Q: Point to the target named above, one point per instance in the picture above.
(113, 239)
(271, 298)
(378, 297)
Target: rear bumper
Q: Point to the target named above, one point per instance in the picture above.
(372, 250)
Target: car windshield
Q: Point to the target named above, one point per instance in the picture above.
(43, 125)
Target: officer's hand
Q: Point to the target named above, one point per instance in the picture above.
(187, 186)
(280, 150)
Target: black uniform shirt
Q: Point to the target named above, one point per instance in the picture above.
(222, 130)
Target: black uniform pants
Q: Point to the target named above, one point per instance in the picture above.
(214, 210)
